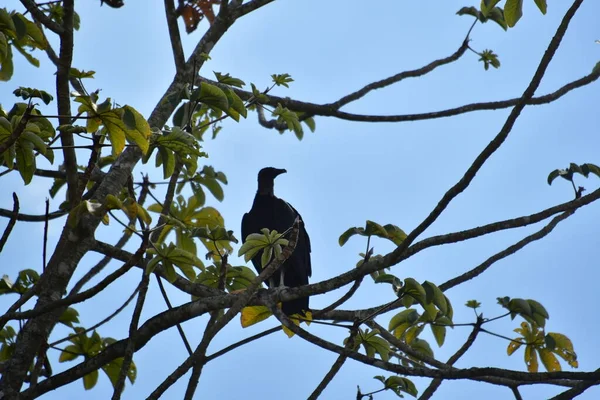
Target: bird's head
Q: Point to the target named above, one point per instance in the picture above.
(266, 178)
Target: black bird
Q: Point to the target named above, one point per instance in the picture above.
(269, 211)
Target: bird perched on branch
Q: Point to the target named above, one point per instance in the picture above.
(273, 213)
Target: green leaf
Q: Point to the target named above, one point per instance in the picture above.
(3, 47)
(472, 11)
(553, 175)
(310, 122)
(349, 233)
(113, 370)
(6, 22)
(541, 4)
(513, 10)
(229, 80)
(435, 295)
(30, 93)
(70, 353)
(90, 380)
(409, 316)
(395, 234)
(415, 290)
(80, 74)
(19, 24)
(236, 104)
(439, 333)
(25, 160)
(69, 316)
(211, 95)
(474, 304)
(591, 168)
(282, 79)
(7, 68)
(118, 132)
(289, 118)
(487, 6)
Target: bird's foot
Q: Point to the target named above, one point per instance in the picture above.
(280, 289)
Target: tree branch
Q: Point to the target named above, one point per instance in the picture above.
(400, 76)
(11, 222)
(41, 17)
(176, 46)
(481, 268)
(16, 133)
(337, 365)
(63, 99)
(452, 360)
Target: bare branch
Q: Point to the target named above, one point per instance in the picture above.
(505, 253)
(11, 222)
(174, 34)
(400, 76)
(133, 328)
(452, 360)
(337, 365)
(242, 342)
(32, 218)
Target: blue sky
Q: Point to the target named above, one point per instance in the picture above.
(348, 172)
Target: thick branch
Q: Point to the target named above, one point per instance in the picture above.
(63, 99)
(42, 18)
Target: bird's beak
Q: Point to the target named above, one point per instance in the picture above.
(281, 171)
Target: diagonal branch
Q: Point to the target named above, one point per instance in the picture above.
(415, 73)
(11, 222)
(16, 133)
(41, 17)
(174, 35)
(453, 359)
(495, 144)
(335, 368)
(505, 253)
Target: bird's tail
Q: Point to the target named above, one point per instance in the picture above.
(297, 306)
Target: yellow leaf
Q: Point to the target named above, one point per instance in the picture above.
(253, 315)
(512, 347)
(531, 359)
(289, 332)
(143, 214)
(549, 360)
(113, 203)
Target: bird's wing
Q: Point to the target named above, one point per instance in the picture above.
(303, 230)
(246, 228)
(303, 247)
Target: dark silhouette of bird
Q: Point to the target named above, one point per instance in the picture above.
(273, 213)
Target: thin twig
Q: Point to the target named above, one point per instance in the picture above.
(102, 322)
(11, 222)
(45, 245)
(133, 327)
(337, 365)
(186, 343)
(481, 268)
